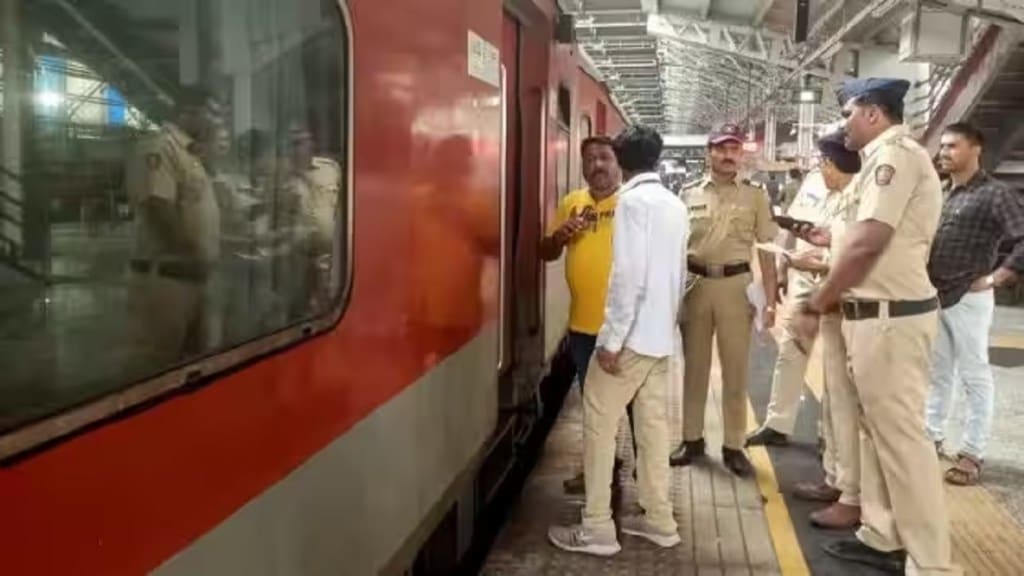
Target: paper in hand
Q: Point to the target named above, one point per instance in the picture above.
(759, 301)
(773, 248)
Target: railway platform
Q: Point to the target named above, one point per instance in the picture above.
(755, 527)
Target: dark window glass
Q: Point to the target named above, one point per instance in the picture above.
(172, 186)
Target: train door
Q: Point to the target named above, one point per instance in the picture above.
(524, 56)
(509, 186)
(556, 292)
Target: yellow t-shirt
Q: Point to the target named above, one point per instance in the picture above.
(588, 259)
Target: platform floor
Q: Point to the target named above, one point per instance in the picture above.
(754, 527)
(722, 519)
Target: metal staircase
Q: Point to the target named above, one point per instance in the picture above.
(13, 269)
(986, 90)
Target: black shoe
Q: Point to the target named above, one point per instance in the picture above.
(737, 462)
(766, 436)
(853, 550)
(687, 453)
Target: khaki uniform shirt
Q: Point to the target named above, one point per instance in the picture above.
(316, 199)
(810, 204)
(898, 186)
(726, 220)
(839, 211)
(163, 168)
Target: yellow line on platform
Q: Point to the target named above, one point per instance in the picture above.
(1007, 340)
(985, 537)
(780, 524)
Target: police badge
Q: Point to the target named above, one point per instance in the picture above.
(884, 174)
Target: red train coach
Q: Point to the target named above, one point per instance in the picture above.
(349, 411)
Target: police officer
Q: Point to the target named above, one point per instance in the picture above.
(311, 195)
(879, 282)
(177, 237)
(791, 362)
(839, 417)
(726, 217)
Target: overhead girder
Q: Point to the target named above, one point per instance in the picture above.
(676, 70)
(756, 76)
(732, 41)
(861, 13)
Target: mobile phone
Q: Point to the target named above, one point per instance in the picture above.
(589, 214)
(792, 224)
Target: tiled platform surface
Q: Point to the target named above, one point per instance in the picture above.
(724, 522)
(721, 519)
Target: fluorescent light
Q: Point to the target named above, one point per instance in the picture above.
(49, 99)
(808, 96)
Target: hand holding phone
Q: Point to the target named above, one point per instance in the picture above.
(792, 224)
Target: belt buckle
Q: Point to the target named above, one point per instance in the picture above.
(716, 270)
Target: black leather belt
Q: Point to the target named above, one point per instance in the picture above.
(190, 271)
(718, 270)
(868, 309)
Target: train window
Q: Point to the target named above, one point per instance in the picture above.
(563, 163)
(564, 106)
(173, 194)
(586, 131)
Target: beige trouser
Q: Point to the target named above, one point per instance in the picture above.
(168, 319)
(902, 502)
(790, 368)
(644, 381)
(717, 307)
(839, 414)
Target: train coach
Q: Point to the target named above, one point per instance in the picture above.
(357, 412)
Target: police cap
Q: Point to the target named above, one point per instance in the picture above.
(833, 147)
(725, 133)
(885, 91)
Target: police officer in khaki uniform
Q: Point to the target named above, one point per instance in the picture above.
(791, 362)
(177, 235)
(879, 282)
(726, 218)
(311, 200)
(839, 411)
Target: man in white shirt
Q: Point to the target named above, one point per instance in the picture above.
(651, 229)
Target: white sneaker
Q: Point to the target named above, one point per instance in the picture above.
(639, 526)
(587, 541)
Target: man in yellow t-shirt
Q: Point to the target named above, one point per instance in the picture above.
(583, 226)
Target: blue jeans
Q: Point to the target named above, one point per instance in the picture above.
(581, 348)
(961, 357)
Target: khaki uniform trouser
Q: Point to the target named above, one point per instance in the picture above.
(902, 501)
(790, 369)
(644, 381)
(717, 307)
(839, 414)
(168, 319)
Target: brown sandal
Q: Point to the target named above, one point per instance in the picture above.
(965, 472)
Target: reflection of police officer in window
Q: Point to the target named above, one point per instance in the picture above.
(177, 235)
(241, 177)
(308, 213)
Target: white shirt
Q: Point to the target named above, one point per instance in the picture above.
(646, 285)
(809, 205)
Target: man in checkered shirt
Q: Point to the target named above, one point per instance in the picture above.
(979, 212)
